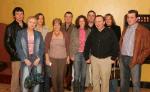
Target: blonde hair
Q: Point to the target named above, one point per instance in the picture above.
(31, 17)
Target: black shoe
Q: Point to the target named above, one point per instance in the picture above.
(68, 88)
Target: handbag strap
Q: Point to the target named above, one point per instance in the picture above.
(116, 64)
(32, 69)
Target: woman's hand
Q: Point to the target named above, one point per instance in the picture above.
(27, 62)
(72, 58)
(48, 63)
(68, 60)
(36, 62)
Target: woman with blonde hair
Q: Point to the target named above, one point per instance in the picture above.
(30, 49)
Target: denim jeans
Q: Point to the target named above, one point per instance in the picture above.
(79, 71)
(25, 73)
(126, 73)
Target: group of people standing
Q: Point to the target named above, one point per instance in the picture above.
(78, 55)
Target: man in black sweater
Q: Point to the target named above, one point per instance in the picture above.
(103, 47)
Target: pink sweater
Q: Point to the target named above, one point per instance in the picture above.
(31, 44)
(82, 39)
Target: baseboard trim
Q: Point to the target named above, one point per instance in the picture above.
(145, 85)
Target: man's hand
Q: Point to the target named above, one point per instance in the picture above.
(113, 62)
(88, 61)
(131, 65)
(27, 62)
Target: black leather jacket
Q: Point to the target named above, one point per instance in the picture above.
(10, 38)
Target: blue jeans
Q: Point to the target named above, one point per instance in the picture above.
(25, 73)
(126, 72)
(113, 84)
(79, 71)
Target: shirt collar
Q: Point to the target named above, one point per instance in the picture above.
(134, 26)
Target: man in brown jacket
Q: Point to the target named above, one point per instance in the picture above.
(134, 47)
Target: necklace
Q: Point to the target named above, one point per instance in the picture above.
(57, 33)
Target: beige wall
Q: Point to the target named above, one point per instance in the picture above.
(57, 8)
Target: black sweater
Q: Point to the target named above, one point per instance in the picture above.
(116, 29)
(101, 44)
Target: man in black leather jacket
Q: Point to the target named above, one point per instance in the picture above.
(10, 39)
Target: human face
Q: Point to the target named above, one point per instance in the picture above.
(91, 17)
(56, 26)
(99, 23)
(131, 18)
(31, 23)
(81, 22)
(40, 20)
(19, 16)
(108, 20)
(68, 18)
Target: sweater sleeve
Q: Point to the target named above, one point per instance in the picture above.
(115, 47)
(87, 47)
(41, 48)
(67, 42)
(19, 49)
(72, 42)
(47, 42)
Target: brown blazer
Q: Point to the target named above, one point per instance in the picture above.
(69, 30)
(48, 40)
(74, 40)
(141, 44)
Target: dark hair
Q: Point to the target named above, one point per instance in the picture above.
(17, 9)
(68, 12)
(125, 22)
(112, 18)
(133, 11)
(40, 14)
(101, 17)
(77, 21)
(92, 12)
(57, 20)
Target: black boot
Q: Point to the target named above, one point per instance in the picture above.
(82, 88)
(76, 86)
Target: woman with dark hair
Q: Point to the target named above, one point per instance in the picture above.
(41, 27)
(110, 23)
(57, 54)
(77, 43)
